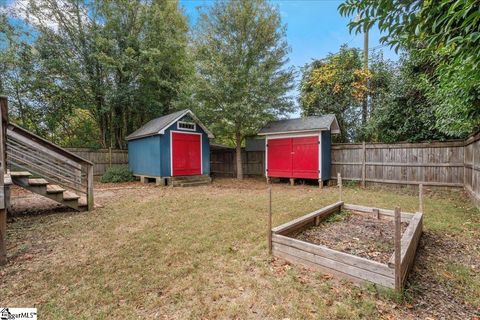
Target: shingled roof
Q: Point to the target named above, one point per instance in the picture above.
(158, 125)
(313, 123)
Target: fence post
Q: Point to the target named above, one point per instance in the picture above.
(269, 233)
(364, 156)
(398, 252)
(90, 186)
(339, 182)
(3, 195)
(420, 198)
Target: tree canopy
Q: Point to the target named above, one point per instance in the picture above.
(443, 34)
(122, 62)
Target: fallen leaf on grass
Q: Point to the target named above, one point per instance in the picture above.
(326, 277)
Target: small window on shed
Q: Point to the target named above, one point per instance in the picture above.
(190, 126)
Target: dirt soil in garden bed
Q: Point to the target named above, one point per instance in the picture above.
(354, 234)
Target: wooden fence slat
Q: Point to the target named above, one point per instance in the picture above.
(102, 158)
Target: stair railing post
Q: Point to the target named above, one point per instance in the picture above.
(90, 187)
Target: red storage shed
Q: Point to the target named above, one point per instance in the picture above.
(299, 148)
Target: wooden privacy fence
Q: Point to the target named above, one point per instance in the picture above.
(472, 167)
(434, 164)
(102, 158)
(223, 162)
(444, 164)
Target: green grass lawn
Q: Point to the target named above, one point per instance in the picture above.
(201, 253)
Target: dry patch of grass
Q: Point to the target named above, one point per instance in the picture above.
(191, 253)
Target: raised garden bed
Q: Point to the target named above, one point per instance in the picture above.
(354, 242)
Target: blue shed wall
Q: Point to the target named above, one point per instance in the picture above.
(144, 156)
(326, 155)
(165, 149)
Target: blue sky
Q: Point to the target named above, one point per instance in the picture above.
(314, 28)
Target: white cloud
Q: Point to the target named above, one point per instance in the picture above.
(46, 12)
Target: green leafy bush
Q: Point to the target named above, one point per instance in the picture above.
(117, 174)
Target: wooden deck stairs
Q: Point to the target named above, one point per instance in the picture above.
(190, 181)
(43, 187)
(44, 168)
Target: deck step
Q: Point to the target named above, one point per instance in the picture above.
(68, 196)
(82, 202)
(7, 180)
(191, 178)
(192, 184)
(178, 181)
(52, 188)
(20, 174)
(37, 182)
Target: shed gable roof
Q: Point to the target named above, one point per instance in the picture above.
(312, 123)
(159, 125)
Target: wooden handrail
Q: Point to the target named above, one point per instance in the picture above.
(47, 144)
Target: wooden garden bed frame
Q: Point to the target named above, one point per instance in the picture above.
(390, 275)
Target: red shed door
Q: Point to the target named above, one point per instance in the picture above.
(279, 158)
(293, 157)
(186, 154)
(305, 157)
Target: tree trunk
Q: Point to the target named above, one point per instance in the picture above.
(238, 141)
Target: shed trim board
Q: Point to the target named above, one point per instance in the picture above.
(171, 149)
(305, 134)
(309, 123)
(289, 134)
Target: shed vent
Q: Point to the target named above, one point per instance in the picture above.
(186, 125)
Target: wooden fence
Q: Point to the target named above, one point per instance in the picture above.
(102, 158)
(472, 167)
(443, 164)
(434, 164)
(223, 162)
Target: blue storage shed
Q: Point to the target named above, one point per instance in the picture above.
(175, 145)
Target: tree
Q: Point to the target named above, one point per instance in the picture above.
(17, 79)
(403, 111)
(241, 52)
(336, 84)
(123, 62)
(445, 35)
